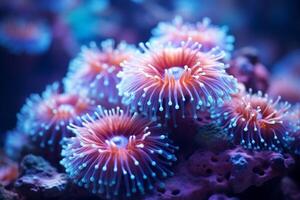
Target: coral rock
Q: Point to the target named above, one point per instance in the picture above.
(255, 168)
(8, 195)
(179, 188)
(234, 170)
(221, 197)
(290, 189)
(39, 180)
(34, 165)
(200, 133)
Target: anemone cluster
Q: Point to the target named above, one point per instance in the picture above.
(113, 116)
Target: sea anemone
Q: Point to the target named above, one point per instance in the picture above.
(45, 118)
(96, 70)
(116, 153)
(255, 121)
(169, 78)
(202, 32)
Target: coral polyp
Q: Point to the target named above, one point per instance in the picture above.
(168, 78)
(95, 69)
(202, 32)
(21, 35)
(116, 154)
(255, 121)
(45, 118)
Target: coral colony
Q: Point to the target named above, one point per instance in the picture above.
(107, 119)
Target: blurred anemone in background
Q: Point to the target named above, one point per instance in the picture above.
(52, 6)
(9, 172)
(90, 20)
(203, 32)
(17, 144)
(285, 79)
(248, 69)
(39, 6)
(21, 35)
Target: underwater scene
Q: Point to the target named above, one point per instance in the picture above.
(149, 100)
